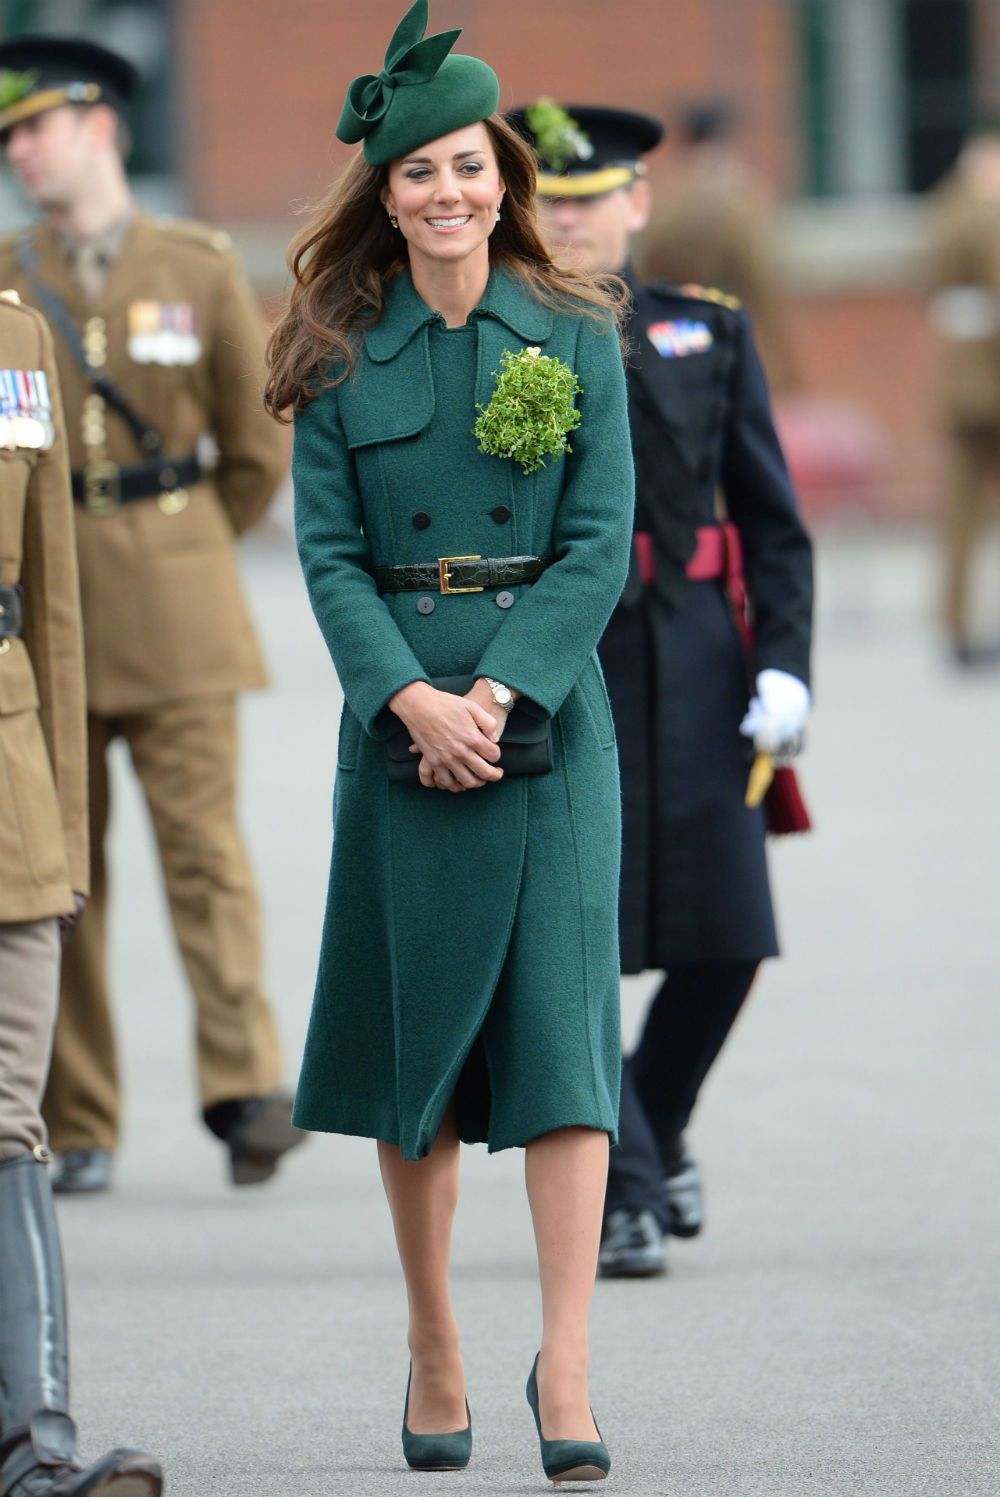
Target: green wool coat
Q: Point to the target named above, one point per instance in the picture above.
(470, 946)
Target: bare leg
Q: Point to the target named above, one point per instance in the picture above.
(422, 1198)
(566, 1173)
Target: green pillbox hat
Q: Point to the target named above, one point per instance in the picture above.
(420, 94)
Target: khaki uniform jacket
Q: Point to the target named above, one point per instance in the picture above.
(164, 614)
(965, 276)
(43, 742)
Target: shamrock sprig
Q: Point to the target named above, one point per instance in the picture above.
(14, 86)
(531, 411)
(558, 137)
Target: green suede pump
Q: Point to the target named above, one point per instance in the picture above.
(567, 1458)
(436, 1450)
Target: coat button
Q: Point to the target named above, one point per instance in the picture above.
(421, 520)
(425, 605)
(505, 600)
(500, 514)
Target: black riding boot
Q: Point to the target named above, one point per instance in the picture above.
(37, 1435)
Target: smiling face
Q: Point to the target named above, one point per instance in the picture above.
(446, 195)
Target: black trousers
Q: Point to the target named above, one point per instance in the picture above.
(686, 1026)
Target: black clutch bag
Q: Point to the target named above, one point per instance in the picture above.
(525, 749)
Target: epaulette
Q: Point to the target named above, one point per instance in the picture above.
(712, 294)
(10, 298)
(197, 233)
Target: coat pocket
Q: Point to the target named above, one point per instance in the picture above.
(348, 741)
(18, 690)
(595, 695)
(31, 807)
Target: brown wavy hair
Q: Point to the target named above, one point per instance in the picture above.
(345, 256)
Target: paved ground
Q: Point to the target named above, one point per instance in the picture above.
(836, 1329)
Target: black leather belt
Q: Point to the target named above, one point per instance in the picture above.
(460, 575)
(11, 613)
(103, 486)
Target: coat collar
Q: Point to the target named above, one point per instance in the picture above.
(127, 278)
(505, 299)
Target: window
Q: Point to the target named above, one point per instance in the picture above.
(888, 92)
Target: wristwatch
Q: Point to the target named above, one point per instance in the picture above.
(502, 696)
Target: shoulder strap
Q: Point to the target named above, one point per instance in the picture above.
(147, 436)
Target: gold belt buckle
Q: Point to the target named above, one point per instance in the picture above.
(101, 488)
(444, 577)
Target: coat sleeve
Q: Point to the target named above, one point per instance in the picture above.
(760, 500)
(53, 632)
(544, 643)
(253, 448)
(372, 658)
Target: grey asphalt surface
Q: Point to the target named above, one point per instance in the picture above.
(836, 1329)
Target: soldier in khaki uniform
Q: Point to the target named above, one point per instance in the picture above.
(159, 342)
(43, 881)
(965, 311)
(713, 226)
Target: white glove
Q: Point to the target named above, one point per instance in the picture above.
(777, 715)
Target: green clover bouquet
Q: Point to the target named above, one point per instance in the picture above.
(531, 411)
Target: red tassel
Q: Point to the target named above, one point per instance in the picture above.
(784, 805)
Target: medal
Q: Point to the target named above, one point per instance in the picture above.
(28, 430)
(43, 405)
(8, 403)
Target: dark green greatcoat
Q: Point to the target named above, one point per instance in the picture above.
(470, 945)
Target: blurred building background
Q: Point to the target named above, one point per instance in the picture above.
(850, 111)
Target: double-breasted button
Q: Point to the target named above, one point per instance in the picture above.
(505, 599)
(421, 520)
(425, 605)
(500, 514)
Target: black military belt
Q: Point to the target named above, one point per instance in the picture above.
(11, 613)
(460, 575)
(102, 487)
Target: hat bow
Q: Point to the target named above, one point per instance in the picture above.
(410, 58)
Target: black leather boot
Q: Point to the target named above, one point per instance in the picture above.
(37, 1435)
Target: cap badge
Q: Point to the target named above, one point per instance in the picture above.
(676, 340)
(162, 333)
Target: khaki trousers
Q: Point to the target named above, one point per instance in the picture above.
(974, 475)
(185, 755)
(29, 984)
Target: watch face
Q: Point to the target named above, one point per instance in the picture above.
(504, 697)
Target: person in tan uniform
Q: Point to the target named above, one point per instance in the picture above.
(43, 884)
(159, 342)
(965, 312)
(712, 226)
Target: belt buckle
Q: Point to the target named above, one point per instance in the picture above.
(444, 577)
(102, 488)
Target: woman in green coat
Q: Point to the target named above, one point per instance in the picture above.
(468, 978)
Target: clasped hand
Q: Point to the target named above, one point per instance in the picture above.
(456, 738)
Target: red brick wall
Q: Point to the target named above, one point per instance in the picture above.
(265, 80)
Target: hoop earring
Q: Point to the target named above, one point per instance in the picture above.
(392, 218)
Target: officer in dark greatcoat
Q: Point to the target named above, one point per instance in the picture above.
(695, 899)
